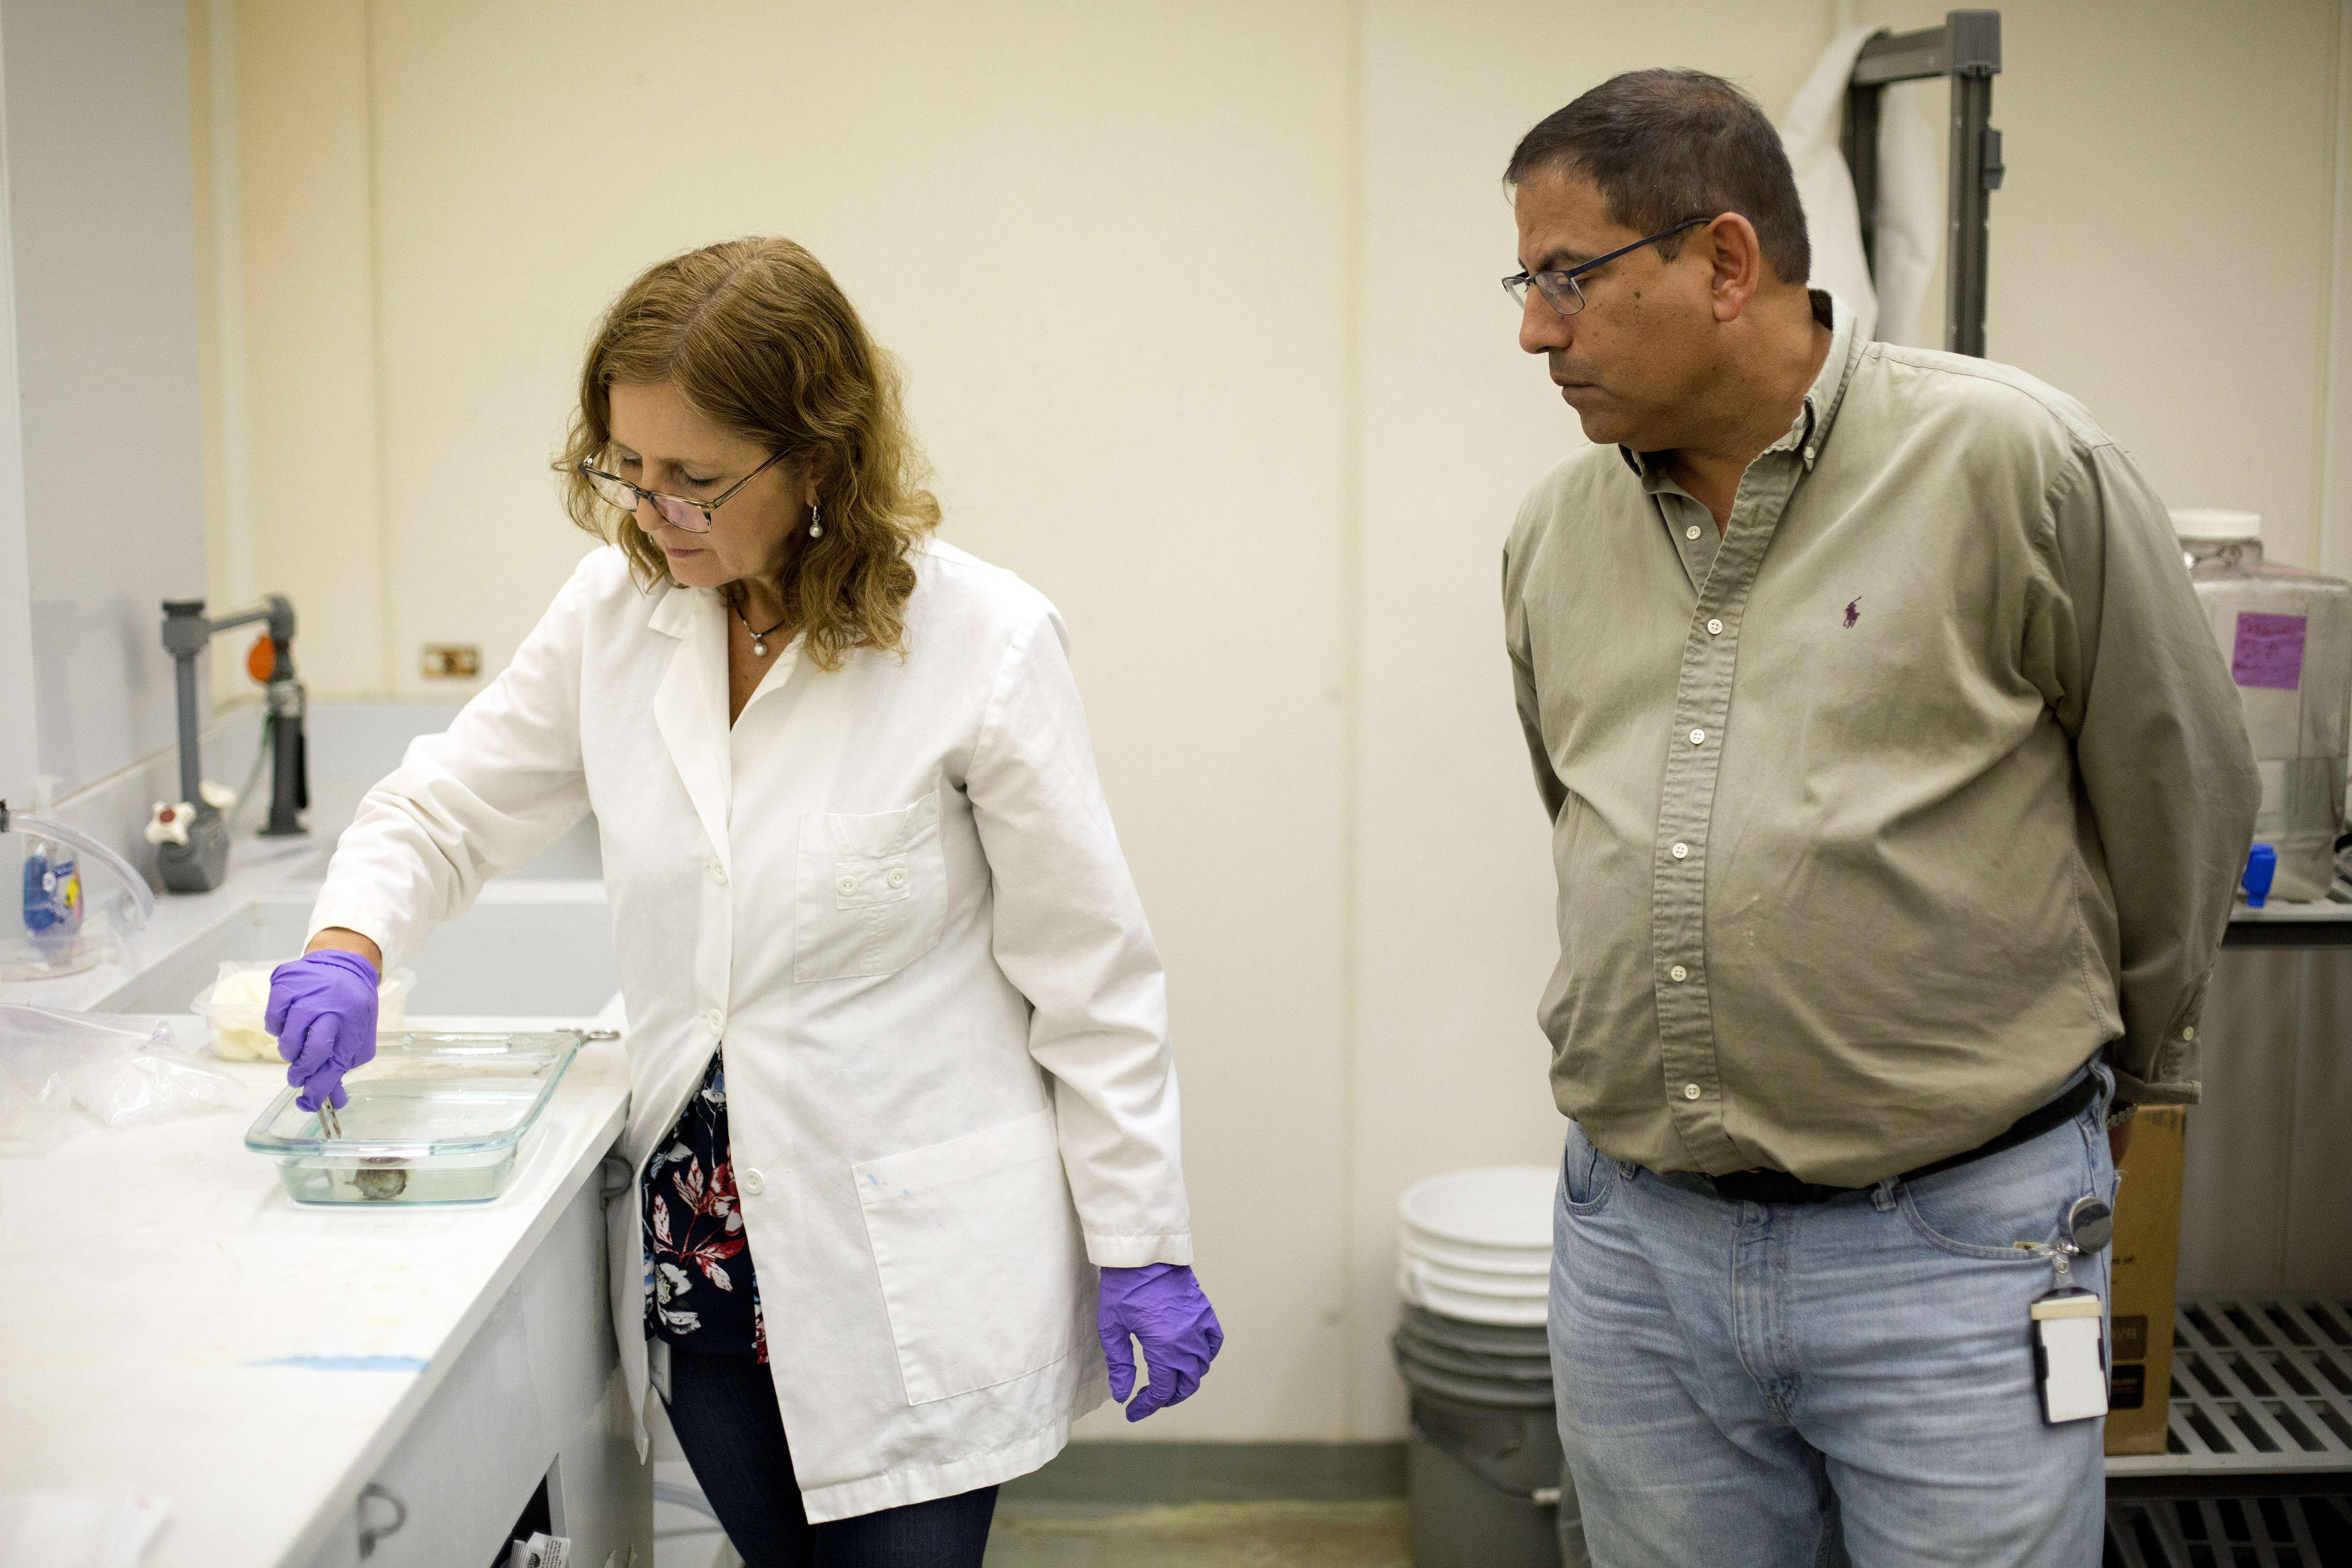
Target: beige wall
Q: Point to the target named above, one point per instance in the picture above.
(285, 194)
(1199, 309)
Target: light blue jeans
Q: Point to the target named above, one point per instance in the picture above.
(1754, 1385)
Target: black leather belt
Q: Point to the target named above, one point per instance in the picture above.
(1779, 1187)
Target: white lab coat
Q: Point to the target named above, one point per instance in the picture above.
(895, 892)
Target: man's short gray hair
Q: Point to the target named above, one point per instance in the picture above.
(1665, 145)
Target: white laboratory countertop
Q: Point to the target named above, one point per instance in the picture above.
(170, 1319)
(2337, 906)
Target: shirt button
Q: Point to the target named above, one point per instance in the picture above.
(718, 873)
(753, 1182)
(899, 878)
(713, 1019)
(1715, 628)
(845, 887)
(1698, 737)
(1678, 975)
(1681, 851)
(1690, 1091)
(1691, 532)
(1808, 453)
(2188, 1034)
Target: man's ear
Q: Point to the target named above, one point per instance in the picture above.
(1735, 258)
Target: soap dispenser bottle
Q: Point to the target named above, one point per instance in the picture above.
(53, 899)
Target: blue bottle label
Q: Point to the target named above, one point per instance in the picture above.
(52, 895)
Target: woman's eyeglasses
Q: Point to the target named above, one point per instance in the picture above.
(678, 512)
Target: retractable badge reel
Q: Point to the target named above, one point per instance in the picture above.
(2069, 1343)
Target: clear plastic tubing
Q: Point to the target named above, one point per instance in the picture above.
(2286, 634)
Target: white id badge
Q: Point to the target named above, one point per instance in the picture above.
(2068, 1358)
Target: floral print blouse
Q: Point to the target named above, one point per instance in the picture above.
(700, 1291)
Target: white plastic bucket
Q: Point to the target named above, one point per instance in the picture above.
(1477, 1260)
(1506, 1311)
(1502, 1208)
(1502, 1287)
(1477, 1244)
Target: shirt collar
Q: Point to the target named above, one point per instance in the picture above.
(1810, 430)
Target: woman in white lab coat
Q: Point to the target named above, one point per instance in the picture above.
(903, 1109)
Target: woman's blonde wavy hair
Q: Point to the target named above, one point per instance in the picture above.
(761, 340)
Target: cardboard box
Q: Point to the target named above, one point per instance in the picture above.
(2144, 1270)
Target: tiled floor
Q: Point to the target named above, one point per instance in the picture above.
(1086, 1535)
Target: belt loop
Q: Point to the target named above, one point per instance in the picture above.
(1882, 1199)
(2106, 1079)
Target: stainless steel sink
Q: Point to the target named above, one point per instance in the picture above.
(525, 950)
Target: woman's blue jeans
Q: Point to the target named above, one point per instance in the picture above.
(723, 1408)
(1770, 1386)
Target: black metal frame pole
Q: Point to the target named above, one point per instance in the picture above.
(1975, 172)
(289, 782)
(1967, 51)
(1859, 139)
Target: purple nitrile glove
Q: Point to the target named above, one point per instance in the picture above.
(1162, 1305)
(322, 1010)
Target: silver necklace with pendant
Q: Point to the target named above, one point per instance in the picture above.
(759, 638)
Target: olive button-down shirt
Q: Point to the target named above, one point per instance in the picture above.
(1879, 814)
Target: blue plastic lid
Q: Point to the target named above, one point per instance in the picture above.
(2261, 865)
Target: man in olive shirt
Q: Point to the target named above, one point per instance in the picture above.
(1898, 791)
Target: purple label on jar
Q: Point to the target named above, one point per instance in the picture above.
(2269, 651)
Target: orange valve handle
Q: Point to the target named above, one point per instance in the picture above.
(262, 659)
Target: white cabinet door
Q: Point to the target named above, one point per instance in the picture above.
(531, 1388)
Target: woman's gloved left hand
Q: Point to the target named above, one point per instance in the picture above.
(1162, 1306)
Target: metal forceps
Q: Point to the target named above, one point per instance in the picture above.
(330, 1124)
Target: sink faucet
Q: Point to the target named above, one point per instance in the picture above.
(196, 861)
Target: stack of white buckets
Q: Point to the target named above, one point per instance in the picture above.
(1473, 1265)
(1477, 1244)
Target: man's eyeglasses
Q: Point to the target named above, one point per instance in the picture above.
(1558, 284)
(678, 512)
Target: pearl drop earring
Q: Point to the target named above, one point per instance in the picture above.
(816, 522)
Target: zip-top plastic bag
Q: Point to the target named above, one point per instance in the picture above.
(125, 1071)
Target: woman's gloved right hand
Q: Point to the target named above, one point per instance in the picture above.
(322, 1010)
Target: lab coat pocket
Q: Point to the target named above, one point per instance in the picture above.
(977, 1246)
(869, 893)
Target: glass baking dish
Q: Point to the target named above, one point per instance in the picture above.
(434, 1118)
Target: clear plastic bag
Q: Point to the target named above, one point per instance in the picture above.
(36, 1111)
(125, 1071)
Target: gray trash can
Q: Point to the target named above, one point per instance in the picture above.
(1483, 1467)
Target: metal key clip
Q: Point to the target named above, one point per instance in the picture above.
(2090, 1224)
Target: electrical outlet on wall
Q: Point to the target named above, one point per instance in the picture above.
(453, 660)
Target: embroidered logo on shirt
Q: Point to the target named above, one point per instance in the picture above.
(1852, 611)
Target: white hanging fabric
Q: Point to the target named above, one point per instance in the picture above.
(1910, 214)
(1910, 232)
